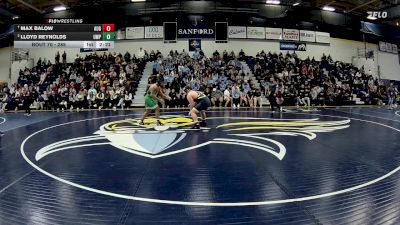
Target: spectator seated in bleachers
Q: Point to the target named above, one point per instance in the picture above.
(95, 81)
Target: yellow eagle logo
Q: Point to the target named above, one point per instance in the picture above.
(152, 141)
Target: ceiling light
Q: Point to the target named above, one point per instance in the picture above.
(138, 0)
(328, 8)
(296, 4)
(15, 17)
(371, 17)
(273, 2)
(59, 8)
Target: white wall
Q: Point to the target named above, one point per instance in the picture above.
(50, 53)
(5, 63)
(339, 49)
(389, 65)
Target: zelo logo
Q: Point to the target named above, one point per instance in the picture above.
(377, 15)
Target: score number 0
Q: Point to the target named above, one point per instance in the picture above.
(108, 32)
(108, 27)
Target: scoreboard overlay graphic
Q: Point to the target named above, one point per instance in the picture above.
(93, 36)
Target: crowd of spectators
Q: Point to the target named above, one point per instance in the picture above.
(106, 80)
(95, 81)
(283, 79)
(221, 77)
(324, 82)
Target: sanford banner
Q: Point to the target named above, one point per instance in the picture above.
(196, 31)
(293, 46)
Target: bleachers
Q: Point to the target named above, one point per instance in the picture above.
(325, 73)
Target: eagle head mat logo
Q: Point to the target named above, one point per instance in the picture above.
(153, 141)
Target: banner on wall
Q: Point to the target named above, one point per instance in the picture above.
(322, 37)
(256, 32)
(134, 32)
(273, 33)
(290, 35)
(307, 35)
(395, 50)
(236, 32)
(196, 31)
(93, 49)
(194, 44)
(154, 32)
(292, 46)
(388, 47)
(382, 46)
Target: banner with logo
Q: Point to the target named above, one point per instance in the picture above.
(93, 49)
(196, 31)
(322, 37)
(194, 44)
(307, 35)
(382, 46)
(236, 32)
(290, 35)
(256, 32)
(292, 46)
(389, 47)
(154, 32)
(273, 33)
(395, 50)
(134, 32)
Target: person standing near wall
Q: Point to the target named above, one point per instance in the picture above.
(64, 58)
(392, 92)
(279, 95)
(26, 101)
(272, 96)
(57, 57)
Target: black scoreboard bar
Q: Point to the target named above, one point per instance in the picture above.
(64, 35)
(53, 36)
(63, 28)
